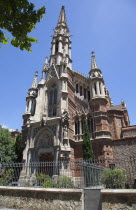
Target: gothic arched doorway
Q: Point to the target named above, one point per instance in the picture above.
(46, 165)
(45, 157)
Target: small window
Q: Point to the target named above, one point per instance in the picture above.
(85, 93)
(100, 88)
(75, 128)
(76, 88)
(81, 91)
(56, 46)
(54, 112)
(55, 96)
(95, 89)
(88, 95)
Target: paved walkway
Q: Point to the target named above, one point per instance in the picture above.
(4, 208)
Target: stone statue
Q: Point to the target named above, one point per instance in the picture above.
(65, 132)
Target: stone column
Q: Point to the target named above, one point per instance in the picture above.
(93, 91)
(30, 104)
(102, 89)
(60, 47)
(53, 49)
(98, 88)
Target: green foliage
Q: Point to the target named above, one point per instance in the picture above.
(6, 177)
(114, 179)
(19, 147)
(64, 182)
(87, 146)
(44, 180)
(19, 18)
(27, 184)
(7, 149)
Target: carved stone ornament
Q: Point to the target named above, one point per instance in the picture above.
(45, 141)
(65, 116)
(53, 128)
(35, 131)
(51, 74)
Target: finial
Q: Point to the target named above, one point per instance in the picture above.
(93, 64)
(45, 66)
(62, 22)
(123, 103)
(34, 83)
(46, 60)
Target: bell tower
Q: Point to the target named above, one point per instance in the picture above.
(98, 102)
(61, 44)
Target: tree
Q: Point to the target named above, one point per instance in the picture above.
(19, 18)
(87, 146)
(19, 147)
(7, 150)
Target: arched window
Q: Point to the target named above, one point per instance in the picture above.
(75, 128)
(88, 95)
(51, 97)
(81, 91)
(55, 96)
(95, 89)
(52, 101)
(100, 88)
(84, 93)
(76, 88)
(33, 106)
(56, 46)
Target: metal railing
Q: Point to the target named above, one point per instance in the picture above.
(99, 173)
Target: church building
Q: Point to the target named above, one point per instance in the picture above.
(58, 105)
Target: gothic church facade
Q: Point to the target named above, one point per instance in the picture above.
(58, 105)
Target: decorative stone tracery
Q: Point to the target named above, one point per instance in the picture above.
(45, 140)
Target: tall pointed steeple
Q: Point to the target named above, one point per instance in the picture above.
(97, 79)
(62, 18)
(61, 44)
(93, 64)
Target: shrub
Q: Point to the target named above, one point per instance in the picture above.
(114, 179)
(6, 177)
(44, 180)
(64, 182)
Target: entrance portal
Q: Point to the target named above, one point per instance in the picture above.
(46, 157)
(46, 166)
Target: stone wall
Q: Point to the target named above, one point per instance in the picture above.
(118, 199)
(124, 153)
(38, 198)
(124, 148)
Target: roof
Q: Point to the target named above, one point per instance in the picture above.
(117, 107)
(81, 75)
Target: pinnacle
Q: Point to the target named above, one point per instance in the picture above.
(62, 18)
(34, 83)
(93, 64)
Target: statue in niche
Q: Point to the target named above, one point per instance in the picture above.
(65, 132)
(65, 116)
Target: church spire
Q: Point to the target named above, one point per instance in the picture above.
(61, 44)
(34, 83)
(93, 64)
(62, 18)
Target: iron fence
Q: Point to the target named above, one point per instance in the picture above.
(99, 173)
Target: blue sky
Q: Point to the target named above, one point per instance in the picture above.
(106, 26)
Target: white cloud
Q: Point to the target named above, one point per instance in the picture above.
(6, 127)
